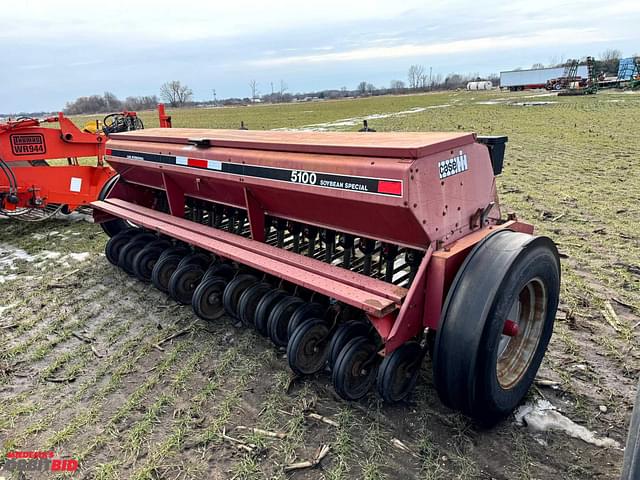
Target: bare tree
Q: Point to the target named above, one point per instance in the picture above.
(370, 88)
(283, 88)
(416, 76)
(253, 86)
(396, 86)
(111, 102)
(362, 88)
(610, 60)
(175, 93)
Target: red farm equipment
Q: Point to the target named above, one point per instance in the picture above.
(357, 252)
(32, 189)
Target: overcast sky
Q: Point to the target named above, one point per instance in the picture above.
(54, 51)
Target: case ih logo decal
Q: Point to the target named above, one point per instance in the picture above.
(31, 144)
(378, 186)
(454, 165)
(28, 461)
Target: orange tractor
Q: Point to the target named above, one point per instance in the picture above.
(32, 188)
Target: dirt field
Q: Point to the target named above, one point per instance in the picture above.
(85, 370)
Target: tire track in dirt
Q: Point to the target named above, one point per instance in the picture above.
(108, 321)
(126, 445)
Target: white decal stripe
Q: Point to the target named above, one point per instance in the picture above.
(182, 161)
(214, 165)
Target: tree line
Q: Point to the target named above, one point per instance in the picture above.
(419, 79)
(173, 93)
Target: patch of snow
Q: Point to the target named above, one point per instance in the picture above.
(79, 257)
(13, 276)
(531, 104)
(542, 416)
(10, 254)
(6, 307)
(540, 95)
(48, 255)
(350, 122)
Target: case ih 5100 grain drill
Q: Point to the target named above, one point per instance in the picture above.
(354, 251)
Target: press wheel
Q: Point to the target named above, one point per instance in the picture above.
(129, 252)
(224, 270)
(264, 308)
(398, 372)
(144, 262)
(116, 242)
(355, 370)
(207, 298)
(249, 300)
(343, 334)
(162, 271)
(279, 319)
(184, 281)
(234, 290)
(304, 312)
(200, 259)
(308, 347)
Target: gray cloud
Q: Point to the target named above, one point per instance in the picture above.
(52, 58)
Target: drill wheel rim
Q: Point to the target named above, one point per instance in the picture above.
(207, 298)
(162, 271)
(308, 347)
(183, 283)
(355, 369)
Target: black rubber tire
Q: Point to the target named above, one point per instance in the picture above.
(160, 243)
(184, 281)
(200, 259)
(115, 244)
(117, 225)
(278, 322)
(398, 372)
(224, 270)
(177, 250)
(145, 260)
(162, 271)
(263, 310)
(304, 312)
(348, 384)
(308, 347)
(234, 290)
(128, 254)
(207, 298)
(343, 335)
(465, 361)
(249, 300)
